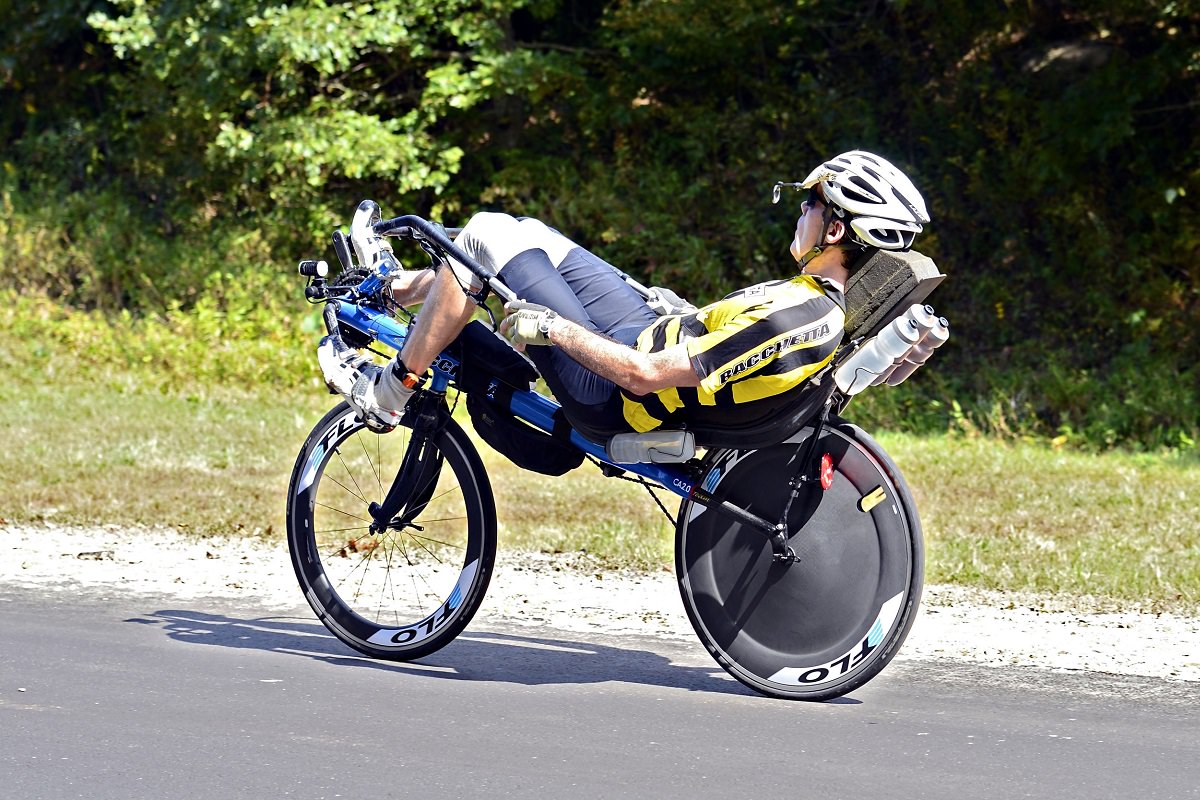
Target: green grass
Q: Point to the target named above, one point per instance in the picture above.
(217, 461)
(112, 449)
(1025, 516)
(110, 452)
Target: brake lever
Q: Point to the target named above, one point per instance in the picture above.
(341, 247)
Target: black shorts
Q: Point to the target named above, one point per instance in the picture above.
(586, 290)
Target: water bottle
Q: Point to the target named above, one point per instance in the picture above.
(653, 447)
(877, 355)
(925, 319)
(936, 337)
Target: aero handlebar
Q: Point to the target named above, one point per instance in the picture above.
(437, 235)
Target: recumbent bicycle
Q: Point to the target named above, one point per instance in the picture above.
(798, 549)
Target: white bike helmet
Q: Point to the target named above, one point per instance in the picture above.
(879, 203)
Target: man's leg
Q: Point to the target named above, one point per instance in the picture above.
(446, 311)
(609, 304)
(542, 266)
(592, 403)
(493, 239)
(612, 304)
(530, 256)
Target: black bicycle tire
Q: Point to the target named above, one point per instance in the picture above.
(399, 640)
(753, 616)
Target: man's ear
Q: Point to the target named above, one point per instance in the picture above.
(836, 232)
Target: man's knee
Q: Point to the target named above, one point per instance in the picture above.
(488, 224)
(493, 239)
(486, 238)
(473, 240)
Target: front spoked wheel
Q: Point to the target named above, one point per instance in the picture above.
(823, 626)
(405, 590)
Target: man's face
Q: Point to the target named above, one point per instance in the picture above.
(808, 226)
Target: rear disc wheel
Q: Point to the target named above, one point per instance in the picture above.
(824, 626)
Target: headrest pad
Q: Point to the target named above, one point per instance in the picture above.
(883, 285)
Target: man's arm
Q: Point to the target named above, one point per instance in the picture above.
(412, 286)
(635, 371)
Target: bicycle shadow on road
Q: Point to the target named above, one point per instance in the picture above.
(473, 656)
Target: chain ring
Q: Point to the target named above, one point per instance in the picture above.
(349, 278)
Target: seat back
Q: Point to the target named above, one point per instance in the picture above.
(883, 285)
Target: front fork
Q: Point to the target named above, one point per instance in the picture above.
(418, 475)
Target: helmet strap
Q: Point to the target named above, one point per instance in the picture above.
(819, 247)
(809, 256)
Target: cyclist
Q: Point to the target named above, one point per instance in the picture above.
(618, 362)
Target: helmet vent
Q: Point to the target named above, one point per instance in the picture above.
(861, 191)
(882, 206)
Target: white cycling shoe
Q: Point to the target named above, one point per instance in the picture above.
(377, 397)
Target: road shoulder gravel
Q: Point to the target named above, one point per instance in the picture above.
(575, 592)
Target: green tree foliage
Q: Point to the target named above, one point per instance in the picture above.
(54, 79)
(1055, 141)
(270, 108)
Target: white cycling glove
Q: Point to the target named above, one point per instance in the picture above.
(528, 323)
(664, 302)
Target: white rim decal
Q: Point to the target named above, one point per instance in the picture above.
(332, 439)
(886, 620)
(310, 473)
(411, 634)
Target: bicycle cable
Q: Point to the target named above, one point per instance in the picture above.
(640, 480)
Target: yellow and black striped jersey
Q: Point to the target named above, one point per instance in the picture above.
(753, 345)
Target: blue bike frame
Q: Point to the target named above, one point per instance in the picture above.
(529, 406)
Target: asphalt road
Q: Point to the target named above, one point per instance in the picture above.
(130, 697)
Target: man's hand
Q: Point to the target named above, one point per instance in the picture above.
(665, 302)
(527, 323)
